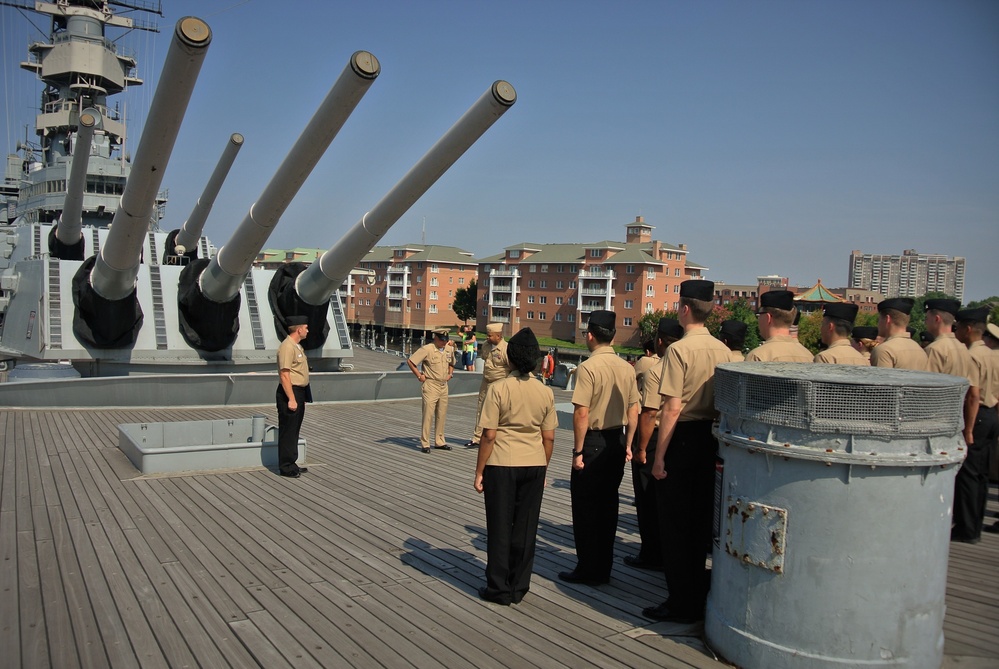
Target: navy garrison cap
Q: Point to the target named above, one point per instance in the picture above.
(295, 321)
(903, 304)
(841, 310)
(605, 319)
(925, 337)
(698, 289)
(979, 315)
(670, 328)
(733, 331)
(526, 340)
(777, 299)
(943, 304)
(864, 332)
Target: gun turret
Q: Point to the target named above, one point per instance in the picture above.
(108, 314)
(65, 239)
(184, 242)
(208, 296)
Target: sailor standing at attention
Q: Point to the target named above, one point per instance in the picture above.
(733, 334)
(494, 367)
(775, 318)
(604, 419)
(836, 328)
(433, 365)
(898, 350)
(292, 394)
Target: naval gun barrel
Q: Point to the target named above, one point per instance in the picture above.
(114, 273)
(187, 239)
(68, 229)
(318, 283)
(221, 280)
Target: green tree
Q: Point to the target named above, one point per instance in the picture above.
(810, 330)
(992, 303)
(648, 324)
(465, 300)
(741, 311)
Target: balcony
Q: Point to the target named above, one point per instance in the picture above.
(513, 271)
(505, 304)
(597, 274)
(398, 293)
(500, 319)
(391, 308)
(596, 292)
(502, 288)
(398, 269)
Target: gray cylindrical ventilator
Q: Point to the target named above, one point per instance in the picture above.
(833, 515)
(71, 220)
(223, 277)
(323, 278)
(114, 273)
(190, 232)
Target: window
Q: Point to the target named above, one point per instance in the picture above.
(558, 300)
(572, 318)
(544, 268)
(485, 311)
(542, 315)
(419, 305)
(367, 303)
(648, 308)
(419, 265)
(630, 286)
(572, 301)
(677, 272)
(544, 284)
(419, 279)
(461, 280)
(560, 269)
(530, 315)
(513, 254)
(627, 320)
(572, 269)
(378, 290)
(560, 284)
(433, 281)
(650, 272)
(530, 299)
(378, 303)
(450, 293)
(650, 290)
(595, 253)
(530, 284)
(434, 268)
(629, 304)
(630, 269)
(433, 294)
(543, 299)
(676, 306)
(433, 308)
(534, 268)
(676, 289)
(450, 279)
(558, 316)
(572, 285)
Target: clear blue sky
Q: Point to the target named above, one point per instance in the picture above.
(769, 136)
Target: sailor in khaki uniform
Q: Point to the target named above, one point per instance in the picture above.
(494, 367)
(650, 556)
(971, 487)
(433, 365)
(604, 420)
(647, 361)
(836, 328)
(898, 350)
(775, 318)
(292, 395)
(686, 451)
(518, 420)
(733, 334)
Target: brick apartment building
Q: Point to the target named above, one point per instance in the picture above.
(552, 288)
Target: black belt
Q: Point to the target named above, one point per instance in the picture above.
(606, 429)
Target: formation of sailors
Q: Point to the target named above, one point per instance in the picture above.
(658, 416)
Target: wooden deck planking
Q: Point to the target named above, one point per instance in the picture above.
(371, 559)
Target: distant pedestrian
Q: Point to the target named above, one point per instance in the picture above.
(776, 316)
(293, 393)
(835, 330)
(469, 344)
(518, 433)
(433, 366)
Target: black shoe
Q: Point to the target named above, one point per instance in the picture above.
(425, 450)
(638, 563)
(303, 470)
(472, 444)
(445, 447)
(965, 540)
(573, 577)
(292, 474)
(663, 613)
(484, 595)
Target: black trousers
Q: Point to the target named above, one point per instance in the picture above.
(289, 425)
(646, 508)
(594, 494)
(513, 506)
(971, 486)
(686, 501)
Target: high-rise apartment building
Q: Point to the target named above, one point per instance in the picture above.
(553, 288)
(911, 274)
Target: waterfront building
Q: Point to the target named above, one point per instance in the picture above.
(911, 274)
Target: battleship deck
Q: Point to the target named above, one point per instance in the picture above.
(372, 559)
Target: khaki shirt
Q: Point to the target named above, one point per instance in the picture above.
(291, 356)
(650, 397)
(947, 355)
(780, 348)
(901, 352)
(518, 408)
(840, 352)
(644, 364)
(495, 365)
(736, 356)
(988, 369)
(688, 372)
(606, 384)
(436, 363)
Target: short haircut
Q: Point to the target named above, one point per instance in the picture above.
(946, 317)
(699, 309)
(843, 328)
(782, 317)
(649, 345)
(976, 326)
(897, 317)
(601, 334)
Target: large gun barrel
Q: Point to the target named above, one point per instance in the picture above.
(316, 284)
(113, 275)
(221, 280)
(187, 239)
(68, 229)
